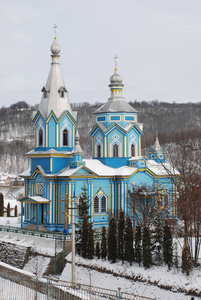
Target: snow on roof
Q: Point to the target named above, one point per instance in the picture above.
(163, 169)
(97, 167)
(100, 169)
(26, 172)
(50, 151)
(137, 158)
(37, 199)
(68, 172)
(4, 176)
(125, 171)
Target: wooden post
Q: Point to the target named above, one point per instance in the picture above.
(73, 231)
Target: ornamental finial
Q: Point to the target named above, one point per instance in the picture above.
(55, 31)
(156, 134)
(115, 61)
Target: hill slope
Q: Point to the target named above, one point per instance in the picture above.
(169, 119)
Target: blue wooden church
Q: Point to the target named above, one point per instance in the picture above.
(57, 164)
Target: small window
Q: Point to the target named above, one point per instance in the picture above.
(65, 137)
(103, 204)
(96, 204)
(98, 151)
(45, 94)
(62, 94)
(132, 150)
(115, 150)
(40, 141)
(39, 188)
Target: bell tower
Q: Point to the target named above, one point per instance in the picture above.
(116, 133)
(54, 122)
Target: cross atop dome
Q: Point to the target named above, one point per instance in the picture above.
(115, 61)
(55, 31)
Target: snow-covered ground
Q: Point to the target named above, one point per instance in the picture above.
(159, 275)
(12, 221)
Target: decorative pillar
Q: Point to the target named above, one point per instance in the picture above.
(37, 216)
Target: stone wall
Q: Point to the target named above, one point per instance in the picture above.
(14, 255)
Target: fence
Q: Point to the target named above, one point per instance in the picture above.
(17, 288)
(47, 235)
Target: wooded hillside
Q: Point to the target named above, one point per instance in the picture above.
(169, 119)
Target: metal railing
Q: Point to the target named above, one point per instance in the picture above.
(44, 234)
(17, 288)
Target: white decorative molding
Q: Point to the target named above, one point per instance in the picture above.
(132, 140)
(115, 140)
(98, 142)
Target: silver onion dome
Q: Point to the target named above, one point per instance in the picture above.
(55, 47)
(116, 78)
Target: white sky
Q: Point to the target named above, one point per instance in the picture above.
(158, 44)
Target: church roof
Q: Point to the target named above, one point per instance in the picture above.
(35, 199)
(102, 170)
(116, 102)
(116, 106)
(157, 145)
(163, 169)
(52, 101)
(50, 151)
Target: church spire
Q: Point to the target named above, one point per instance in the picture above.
(55, 94)
(157, 145)
(77, 148)
(156, 152)
(116, 84)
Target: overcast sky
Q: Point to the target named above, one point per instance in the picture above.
(158, 44)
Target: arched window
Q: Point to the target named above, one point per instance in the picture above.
(103, 204)
(115, 150)
(96, 204)
(98, 151)
(40, 139)
(132, 150)
(65, 137)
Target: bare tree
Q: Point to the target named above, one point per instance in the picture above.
(185, 155)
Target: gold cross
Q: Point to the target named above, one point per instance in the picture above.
(65, 210)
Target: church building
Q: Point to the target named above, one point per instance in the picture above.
(116, 169)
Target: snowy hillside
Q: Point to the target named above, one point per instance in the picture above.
(17, 131)
(156, 282)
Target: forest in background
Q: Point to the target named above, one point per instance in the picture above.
(170, 120)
